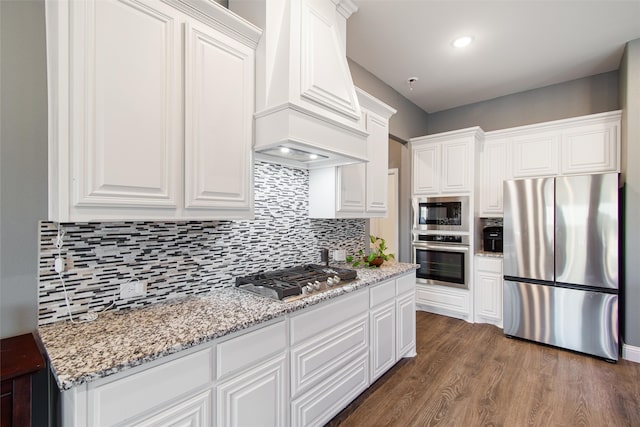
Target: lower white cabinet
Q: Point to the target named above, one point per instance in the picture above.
(300, 370)
(382, 320)
(444, 300)
(488, 290)
(256, 397)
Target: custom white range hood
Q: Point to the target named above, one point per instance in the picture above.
(307, 112)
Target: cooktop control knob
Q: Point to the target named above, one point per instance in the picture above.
(336, 279)
(316, 285)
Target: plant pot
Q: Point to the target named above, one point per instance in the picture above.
(376, 262)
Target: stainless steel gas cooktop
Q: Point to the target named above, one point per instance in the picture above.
(291, 283)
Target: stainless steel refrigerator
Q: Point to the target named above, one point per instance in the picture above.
(561, 262)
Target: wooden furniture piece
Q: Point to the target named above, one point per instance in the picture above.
(20, 358)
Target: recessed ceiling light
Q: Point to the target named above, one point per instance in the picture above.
(284, 150)
(462, 41)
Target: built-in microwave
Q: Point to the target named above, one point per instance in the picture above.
(441, 213)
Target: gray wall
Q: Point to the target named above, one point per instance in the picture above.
(580, 97)
(23, 160)
(409, 121)
(630, 101)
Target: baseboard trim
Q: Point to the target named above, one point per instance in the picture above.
(631, 353)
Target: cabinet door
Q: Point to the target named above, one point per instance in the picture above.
(406, 325)
(535, 155)
(378, 166)
(125, 105)
(488, 290)
(351, 184)
(591, 149)
(257, 397)
(495, 165)
(382, 350)
(219, 99)
(457, 167)
(426, 169)
(193, 412)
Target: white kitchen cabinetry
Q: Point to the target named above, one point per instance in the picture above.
(488, 290)
(360, 189)
(444, 163)
(579, 145)
(592, 147)
(382, 318)
(495, 168)
(329, 358)
(406, 316)
(533, 154)
(252, 371)
(120, 73)
(444, 300)
(299, 370)
(180, 389)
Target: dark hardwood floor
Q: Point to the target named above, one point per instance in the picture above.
(472, 375)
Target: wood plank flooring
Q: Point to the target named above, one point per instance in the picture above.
(472, 375)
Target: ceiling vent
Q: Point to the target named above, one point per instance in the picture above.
(307, 111)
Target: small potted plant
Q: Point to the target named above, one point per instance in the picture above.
(376, 256)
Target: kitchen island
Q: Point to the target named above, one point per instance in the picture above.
(231, 331)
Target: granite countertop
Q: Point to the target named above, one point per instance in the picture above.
(119, 340)
(490, 254)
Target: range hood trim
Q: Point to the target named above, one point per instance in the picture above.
(291, 126)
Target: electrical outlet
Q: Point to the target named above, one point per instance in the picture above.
(133, 290)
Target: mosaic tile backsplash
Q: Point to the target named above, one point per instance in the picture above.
(178, 259)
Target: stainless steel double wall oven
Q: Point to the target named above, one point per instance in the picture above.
(441, 240)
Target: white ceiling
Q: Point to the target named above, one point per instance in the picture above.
(519, 45)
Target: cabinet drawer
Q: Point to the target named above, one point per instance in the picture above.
(382, 293)
(153, 388)
(318, 358)
(244, 351)
(314, 322)
(491, 264)
(406, 284)
(323, 402)
(453, 300)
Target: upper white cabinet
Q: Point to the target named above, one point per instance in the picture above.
(444, 163)
(356, 190)
(580, 145)
(592, 147)
(120, 73)
(532, 154)
(495, 168)
(306, 99)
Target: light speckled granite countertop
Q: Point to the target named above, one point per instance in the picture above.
(119, 340)
(490, 254)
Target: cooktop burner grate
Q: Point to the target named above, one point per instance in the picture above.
(290, 282)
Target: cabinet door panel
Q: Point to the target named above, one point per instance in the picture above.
(257, 397)
(378, 166)
(351, 184)
(323, 402)
(590, 149)
(456, 167)
(495, 163)
(218, 120)
(535, 155)
(193, 412)
(126, 109)
(383, 339)
(406, 325)
(426, 169)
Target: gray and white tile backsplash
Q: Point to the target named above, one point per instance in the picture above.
(185, 258)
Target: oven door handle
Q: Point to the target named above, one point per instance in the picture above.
(452, 248)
